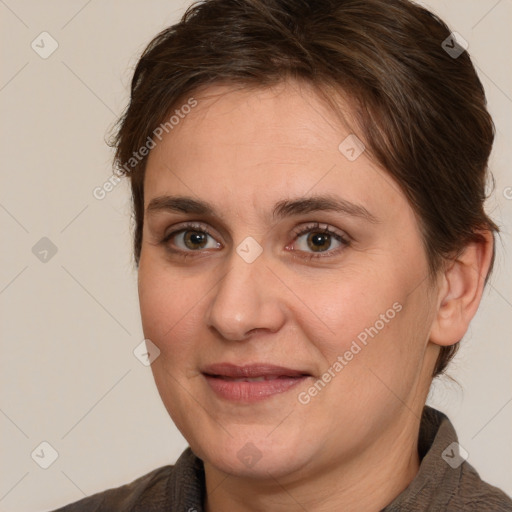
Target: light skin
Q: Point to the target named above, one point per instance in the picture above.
(353, 446)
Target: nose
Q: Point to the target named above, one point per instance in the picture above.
(246, 300)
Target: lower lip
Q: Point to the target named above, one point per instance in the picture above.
(251, 391)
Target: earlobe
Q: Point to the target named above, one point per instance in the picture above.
(460, 291)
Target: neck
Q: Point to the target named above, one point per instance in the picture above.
(367, 482)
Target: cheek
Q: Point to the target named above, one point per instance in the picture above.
(169, 306)
(347, 306)
(377, 328)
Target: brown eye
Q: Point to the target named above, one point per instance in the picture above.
(190, 239)
(195, 239)
(319, 242)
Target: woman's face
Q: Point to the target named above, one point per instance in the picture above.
(284, 281)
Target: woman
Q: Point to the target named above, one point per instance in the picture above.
(308, 184)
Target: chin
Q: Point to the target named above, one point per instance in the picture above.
(254, 454)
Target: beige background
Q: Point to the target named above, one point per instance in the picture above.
(69, 325)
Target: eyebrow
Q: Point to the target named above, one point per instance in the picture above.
(284, 208)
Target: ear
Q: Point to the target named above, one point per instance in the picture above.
(460, 291)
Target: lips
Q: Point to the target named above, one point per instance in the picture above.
(251, 382)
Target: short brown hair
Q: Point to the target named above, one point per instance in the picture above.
(421, 111)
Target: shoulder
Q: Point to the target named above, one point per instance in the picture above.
(459, 485)
(446, 481)
(181, 486)
(474, 495)
(151, 487)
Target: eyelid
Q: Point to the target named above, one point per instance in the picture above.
(184, 226)
(342, 237)
(321, 227)
(187, 226)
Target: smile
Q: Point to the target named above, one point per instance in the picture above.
(251, 382)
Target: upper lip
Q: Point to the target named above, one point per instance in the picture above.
(251, 371)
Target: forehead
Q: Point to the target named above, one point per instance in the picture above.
(289, 114)
(263, 144)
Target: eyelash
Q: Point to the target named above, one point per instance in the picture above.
(315, 227)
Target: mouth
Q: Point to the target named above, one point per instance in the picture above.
(251, 382)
